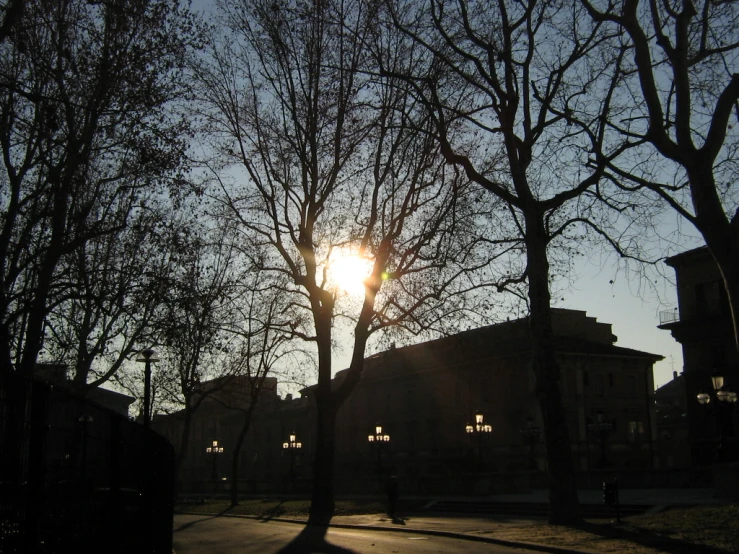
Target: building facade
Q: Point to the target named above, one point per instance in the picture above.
(424, 396)
(703, 327)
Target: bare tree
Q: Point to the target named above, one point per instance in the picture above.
(261, 346)
(107, 294)
(678, 93)
(337, 162)
(87, 122)
(498, 80)
(13, 11)
(203, 285)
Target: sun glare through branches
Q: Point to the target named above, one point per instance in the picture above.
(347, 272)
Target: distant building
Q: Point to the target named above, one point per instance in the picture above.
(219, 416)
(424, 395)
(672, 423)
(702, 325)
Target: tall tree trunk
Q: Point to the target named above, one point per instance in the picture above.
(721, 235)
(184, 444)
(564, 505)
(322, 500)
(237, 447)
(38, 309)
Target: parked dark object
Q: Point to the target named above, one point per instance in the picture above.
(76, 477)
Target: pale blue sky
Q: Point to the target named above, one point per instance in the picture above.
(634, 319)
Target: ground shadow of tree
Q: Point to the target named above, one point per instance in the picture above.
(645, 537)
(276, 511)
(190, 523)
(311, 539)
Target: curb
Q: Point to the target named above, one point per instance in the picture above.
(430, 532)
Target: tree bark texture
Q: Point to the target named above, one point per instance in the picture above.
(564, 504)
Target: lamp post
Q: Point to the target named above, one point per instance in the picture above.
(147, 357)
(214, 450)
(721, 409)
(602, 430)
(379, 438)
(532, 432)
(292, 445)
(480, 428)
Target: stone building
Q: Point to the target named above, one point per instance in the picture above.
(425, 395)
(672, 423)
(702, 325)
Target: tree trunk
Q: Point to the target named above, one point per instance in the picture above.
(237, 449)
(564, 505)
(721, 236)
(322, 500)
(38, 310)
(184, 443)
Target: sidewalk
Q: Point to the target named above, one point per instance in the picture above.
(534, 533)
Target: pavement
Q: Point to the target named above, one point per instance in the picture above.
(485, 528)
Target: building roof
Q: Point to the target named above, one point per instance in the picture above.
(688, 256)
(575, 334)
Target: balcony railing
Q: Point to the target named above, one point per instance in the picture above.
(671, 316)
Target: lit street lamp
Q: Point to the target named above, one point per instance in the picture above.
(602, 430)
(379, 438)
(480, 428)
(214, 450)
(147, 357)
(532, 432)
(291, 446)
(721, 409)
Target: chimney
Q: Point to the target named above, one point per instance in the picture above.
(288, 397)
(674, 375)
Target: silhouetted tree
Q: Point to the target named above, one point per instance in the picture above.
(202, 289)
(677, 95)
(88, 121)
(107, 295)
(337, 162)
(497, 79)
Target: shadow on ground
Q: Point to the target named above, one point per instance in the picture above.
(190, 523)
(644, 537)
(311, 539)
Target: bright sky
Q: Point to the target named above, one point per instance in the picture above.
(634, 320)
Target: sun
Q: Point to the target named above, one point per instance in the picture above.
(348, 273)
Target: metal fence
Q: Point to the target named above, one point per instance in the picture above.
(76, 477)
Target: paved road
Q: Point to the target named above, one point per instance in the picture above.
(195, 534)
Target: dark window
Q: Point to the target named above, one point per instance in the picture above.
(610, 379)
(585, 379)
(700, 298)
(599, 383)
(630, 385)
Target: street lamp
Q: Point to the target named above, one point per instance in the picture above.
(214, 450)
(602, 430)
(480, 428)
(292, 445)
(147, 357)
(379, 438)
(722, 410)
(532, 432)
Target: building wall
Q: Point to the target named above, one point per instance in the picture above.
(704, 329)
(424, 395)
